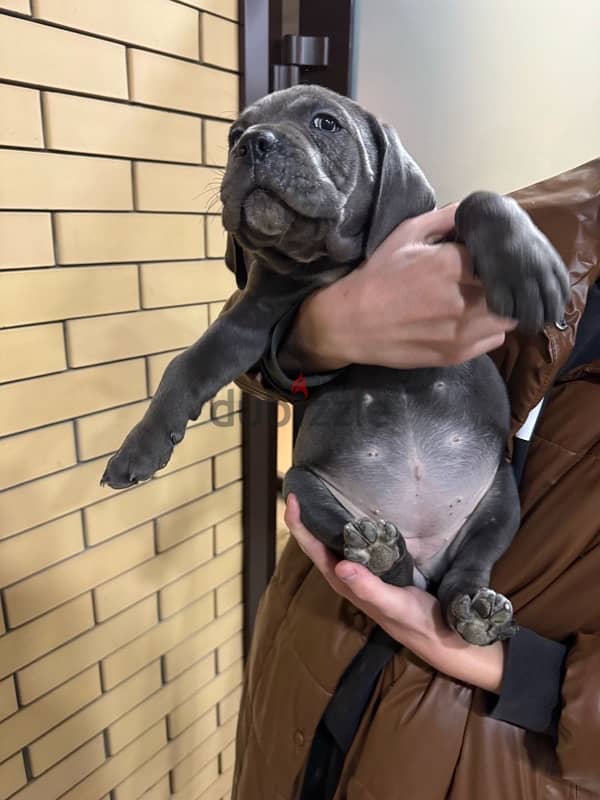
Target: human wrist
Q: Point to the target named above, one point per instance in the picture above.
(316, 341)
(430, 638)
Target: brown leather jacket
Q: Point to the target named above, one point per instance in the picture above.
(425, 736)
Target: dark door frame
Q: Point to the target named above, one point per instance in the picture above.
(260, 40)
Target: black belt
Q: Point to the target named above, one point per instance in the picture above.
(337, 728)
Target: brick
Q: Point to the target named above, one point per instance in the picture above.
(229, 595)
(97, 126)
(178, 525)
(96, 238)
(160, 790)
(50, 180)
(155, 642)
(12, 776)
(199, 645)
(147, 713)
(201, 735)
(93, 719)
(197, 705)
(47, 498)
(230, 652)
(216, 237)
(147, 578)
(23, 555)
(228, 467)
(216, 789)
(201, 781)
(39, 54)
(169, 83)
(19, 730)
(70, 394)
(21, 6)
(220, 789)
(59, 665)
(116, 769)
(99, 434)
(116, 336)
(25, 241)
(229, 706)
(24, 645)
(31, 350)
(175, 187)
(21, 121)
(219, 42)
(181, 593)
(37, 453)
(163, 761)
(127, 509)
(179, 283)
(225, 8)
(214, 311)
(66, 774)
(228, 533)
(227, 758)
(150, 23)
(39, 593)
(50, 294)
(8, 698)
(216, 146)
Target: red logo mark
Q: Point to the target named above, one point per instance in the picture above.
(299, 386)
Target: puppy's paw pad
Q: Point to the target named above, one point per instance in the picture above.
(376, 544)
(484, 618)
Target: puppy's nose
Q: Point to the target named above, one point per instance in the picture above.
(256, 144)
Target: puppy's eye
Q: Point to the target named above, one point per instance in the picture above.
(325, 122)
(234, 135)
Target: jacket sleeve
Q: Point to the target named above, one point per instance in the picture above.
(530, 695)
(578, 745)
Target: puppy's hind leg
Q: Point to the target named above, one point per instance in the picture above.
(375, 543)
(481, 615)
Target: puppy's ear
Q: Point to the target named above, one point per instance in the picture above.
(234, 259)
(402, 190)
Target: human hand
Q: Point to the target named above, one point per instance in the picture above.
(414, 303)
(410, 615)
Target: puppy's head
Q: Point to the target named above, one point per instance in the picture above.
(311, 174)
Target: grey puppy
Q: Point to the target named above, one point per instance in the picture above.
(400, 470)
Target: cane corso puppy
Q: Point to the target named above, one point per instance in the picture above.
(400, 470)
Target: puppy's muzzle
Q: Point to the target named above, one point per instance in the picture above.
(254, 146)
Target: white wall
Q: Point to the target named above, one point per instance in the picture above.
(486, 94)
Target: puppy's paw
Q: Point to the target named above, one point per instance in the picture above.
(144, 451)
(483, 618)
(376, 544)
(529, 282)
(523, 276)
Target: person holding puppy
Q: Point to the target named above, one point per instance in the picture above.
(358, 690)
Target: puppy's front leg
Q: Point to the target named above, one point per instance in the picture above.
(522, 274)
(231, 346)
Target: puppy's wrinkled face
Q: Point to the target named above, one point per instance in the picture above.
(301, 175)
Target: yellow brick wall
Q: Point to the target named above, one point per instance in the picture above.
(120, 613)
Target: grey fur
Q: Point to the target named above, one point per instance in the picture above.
(399, 469)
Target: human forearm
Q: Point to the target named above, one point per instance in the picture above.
(448, 652)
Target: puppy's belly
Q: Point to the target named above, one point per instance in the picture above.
(429, 512)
